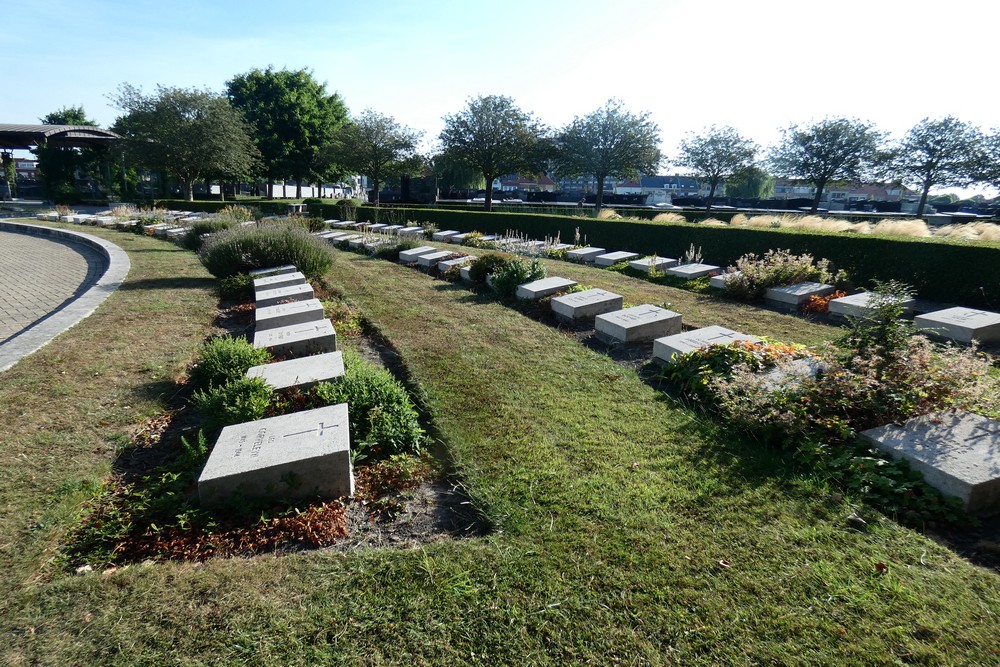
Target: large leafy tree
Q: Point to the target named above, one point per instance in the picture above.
(494, 136)
(831, 150)
(940, 152)
(452, 174)
(192, 134)
(750, 183)
(59, 166)
(715, 155)
(293, 118)
(376, 146)
(987, 166)
(610, 141)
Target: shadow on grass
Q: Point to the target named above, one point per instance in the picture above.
(180, 282)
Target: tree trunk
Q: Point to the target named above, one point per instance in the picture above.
(711, 196)
(488, 206)
(599, 202)
(819, 193)
(298, 188)
(189, 190)
(923, 198)
(270, 188)
(373, 197)
(222, 191)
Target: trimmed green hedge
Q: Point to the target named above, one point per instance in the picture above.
(949, 271)
(277, 207)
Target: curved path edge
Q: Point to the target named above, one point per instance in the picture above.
(117, 266)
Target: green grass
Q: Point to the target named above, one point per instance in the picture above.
(612, 509)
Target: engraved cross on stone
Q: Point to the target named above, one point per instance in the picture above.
(318, 430)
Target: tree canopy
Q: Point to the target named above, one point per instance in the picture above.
(58, 166)
(834, 149)
(939, 152)
(191, 133)
(293, 118)
(609, 141)
(715, 155)
(494, 136)
(750, 183)
(376, 146)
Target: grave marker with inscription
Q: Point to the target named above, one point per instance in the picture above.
(648, 264)
(665, 348)
(278, 281)
(302, 373)
(637, 324)
(536, 289)
(692, 271)
(273, 297)
(298, 340)
(586, 304)
(587, 254)
(288, 314)
(792, 297)
(961, 324)
(612, 258)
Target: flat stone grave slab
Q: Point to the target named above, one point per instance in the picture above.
(961, 324)
(280, 280)
(692, 271)
(612, 258)
(444, 235)
(532, 245)
(273, 297)
(411, 231)
(458, 238)
(411, 256)
(665, 348)
(331, 221)
(302, 373)
(457, 262)
(335, 237)
(356, 242)
(719, 281)
(648, 264)
(327, 234)
(464, 272)
(374, 243)
(299, 455)
(377, 227)
(587, 254)
(856, 305)
(794, 296)
(346, 239)
(343, 224)
(586, 304)
(536, 289)
(431, 259)
(560, 246)
(958, 453)
(636, 324)
(298, 340)
(288, 314)
(391, 229)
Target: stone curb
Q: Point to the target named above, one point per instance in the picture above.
(117, 266)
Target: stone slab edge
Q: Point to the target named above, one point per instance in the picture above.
(32, 339)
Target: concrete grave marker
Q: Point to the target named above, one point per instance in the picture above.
(302, 373)
(391, 229)
(444, 235)
(794, 296)
(465, 273)
(431, 259)
(856, 305)
(299, 455)
(665, 348)
(961, 324)
(288, 314)
(648, 264)
(280, 280)
(637, 324)
(411, 256)
(458, 238)
(958, 453)
(343, 224)
(692, 271)
(612, 258)
(453, 263)
(411, 231)
(273, 297)
(298, 340)
(586, 304)
(536, 289)
(719, 281)
(587, 254)
(377, 227)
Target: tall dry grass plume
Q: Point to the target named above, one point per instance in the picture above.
(971, 231)
(608, 214)
(901, 227)
(669, 217)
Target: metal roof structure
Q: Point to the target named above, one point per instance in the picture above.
(77, 136)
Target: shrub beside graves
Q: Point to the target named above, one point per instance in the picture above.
(486, 265)
(237, 401)
(777, 268)
(514, 272)
(243, 249)
(224, 359)
(193, 240)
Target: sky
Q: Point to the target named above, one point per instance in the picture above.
(757, 66)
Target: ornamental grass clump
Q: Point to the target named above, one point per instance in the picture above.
(777, 268)
(243, 249)
(224, 359)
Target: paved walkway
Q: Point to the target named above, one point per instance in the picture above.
(38, 275)
(50, 280)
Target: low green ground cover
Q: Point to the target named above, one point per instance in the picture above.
(627, 529)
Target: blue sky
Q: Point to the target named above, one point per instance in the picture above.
(757, 66)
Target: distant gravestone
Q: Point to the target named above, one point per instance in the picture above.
(586, 304)
(377, 227)
(296, 456)
(692, 271)
(278, 281)
(792, 297)
(612, 258)
(648, 264)
(464, 272)
(958, 453)
(411, 256)
(665, 348)
(856, 305)
(537, 289)
(272, 271)
(963, 325)
(556, 247)
(458, 238)
(302, 373)
(357, 242)
(344, 224)
(431, 259)
(273, 297)
(288, 314)
(719, 281)
(449, 264)
(637, 324)
(411, 231)
(298, 340)
(392, 229)
(587, 254)
(444, 235)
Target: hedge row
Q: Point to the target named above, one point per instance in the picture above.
(948, 271)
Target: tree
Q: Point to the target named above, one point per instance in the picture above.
(376, 146)
(293, 118)
(608, 142)
(750, 183)
(191, 133)
(837, 149)
(454, 175)
(492, 135)
(58, 166)
(937, 152)
(987, 167)
(716, 155)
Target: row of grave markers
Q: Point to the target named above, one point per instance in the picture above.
(957, 452)
(297, 455)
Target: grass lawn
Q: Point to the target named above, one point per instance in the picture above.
(626, 530)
